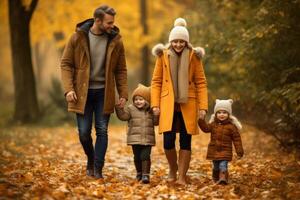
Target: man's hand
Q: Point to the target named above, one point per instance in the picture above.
(122, 102)
(71, 97)
(156, 111)
(202, 114)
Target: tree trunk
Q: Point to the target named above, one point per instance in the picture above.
(26, 104)
(145, 48)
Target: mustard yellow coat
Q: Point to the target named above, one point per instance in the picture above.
(162, 94)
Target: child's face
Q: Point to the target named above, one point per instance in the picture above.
(139, 101)
(222, 115)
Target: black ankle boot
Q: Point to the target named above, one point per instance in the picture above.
(138, 176)
(90, 167)
(146, 171)
(215, 175)
(98, 171)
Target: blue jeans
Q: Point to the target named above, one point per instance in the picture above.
(94, 105)
(220, 165)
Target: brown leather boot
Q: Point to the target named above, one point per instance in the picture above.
(146, 164)
(215, 175)
(223, 178)
(173, 167)
(183, 165)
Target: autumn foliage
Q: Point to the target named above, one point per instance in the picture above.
(49, 163)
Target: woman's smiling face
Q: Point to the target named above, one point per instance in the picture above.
(178, 45)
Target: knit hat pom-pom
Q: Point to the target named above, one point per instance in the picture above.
(180, 22)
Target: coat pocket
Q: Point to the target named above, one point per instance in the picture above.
(164, 93)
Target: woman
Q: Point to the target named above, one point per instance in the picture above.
(179, 95)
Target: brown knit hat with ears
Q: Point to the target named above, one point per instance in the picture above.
(142, 91)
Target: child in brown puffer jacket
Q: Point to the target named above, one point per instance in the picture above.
(140, 135)
(224, 129)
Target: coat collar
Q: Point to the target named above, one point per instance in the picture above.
(159, 49)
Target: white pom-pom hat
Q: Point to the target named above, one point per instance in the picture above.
(179, 32)
(227, 106)
(223, 105)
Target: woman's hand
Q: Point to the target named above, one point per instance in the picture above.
(202, 114)
(156, 111)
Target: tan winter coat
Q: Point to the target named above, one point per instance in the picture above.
(75, 68)
(141, 124)
(162, 94)
(223, 134)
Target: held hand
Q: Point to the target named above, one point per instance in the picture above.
(71, 97)
(156, 110)
(122, 102)
(202, 114)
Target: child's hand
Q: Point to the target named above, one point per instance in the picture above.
(119, 105)
(202, 114)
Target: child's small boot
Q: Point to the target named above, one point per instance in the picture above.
(146, 164)
(215, 175)
(223, 177)
(138, 167)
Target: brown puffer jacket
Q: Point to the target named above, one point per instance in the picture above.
(141, 124)
(223, 134)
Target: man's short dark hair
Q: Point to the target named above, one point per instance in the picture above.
(102, 10)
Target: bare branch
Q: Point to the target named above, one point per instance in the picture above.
(32, 7)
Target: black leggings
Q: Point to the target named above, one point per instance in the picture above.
(185, 139)
(141, 152)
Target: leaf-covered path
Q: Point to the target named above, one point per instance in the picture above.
(49, 163)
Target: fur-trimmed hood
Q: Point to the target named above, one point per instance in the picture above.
(232, 119)
(157, 50)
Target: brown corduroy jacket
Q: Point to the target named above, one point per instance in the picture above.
(141, 124)
(223, 134)
(75, 68)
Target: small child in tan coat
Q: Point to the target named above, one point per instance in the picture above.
(140, 135)
(224, 129)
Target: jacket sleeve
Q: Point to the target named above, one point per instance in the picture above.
(121, 73)
(67, 66)
(201, 85)
(156, 120)
(156, 82)
(237, 141)
(206, 128)
(123, 114)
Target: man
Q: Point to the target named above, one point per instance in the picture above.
(93, 63)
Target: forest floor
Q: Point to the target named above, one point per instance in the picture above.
(49, 163)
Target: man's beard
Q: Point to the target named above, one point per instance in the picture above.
(103, 30)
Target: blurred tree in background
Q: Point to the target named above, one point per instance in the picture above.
(26, 104)
(253, 56)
